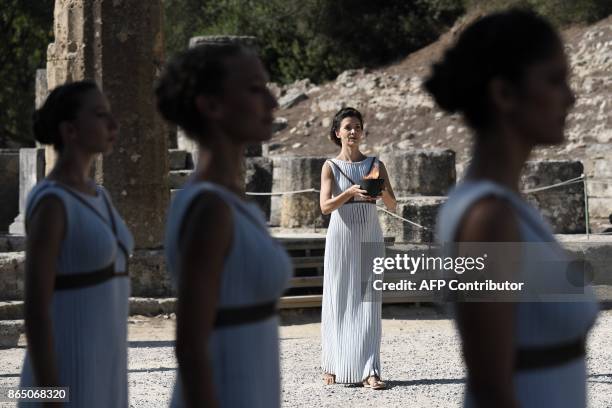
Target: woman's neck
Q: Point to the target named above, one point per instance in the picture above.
(74, 169)
(351, 154)
(499, 156)
(221, 163)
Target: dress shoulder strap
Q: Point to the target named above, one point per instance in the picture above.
(371, 165)
(341, 172)
(461, 199)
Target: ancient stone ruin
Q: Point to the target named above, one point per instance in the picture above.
(119, 44)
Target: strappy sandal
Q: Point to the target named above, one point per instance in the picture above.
(329, 379)
(374, 383)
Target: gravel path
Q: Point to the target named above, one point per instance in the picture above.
(420, 362)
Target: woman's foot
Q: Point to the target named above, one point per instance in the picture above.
(329, 379)
(374, 383)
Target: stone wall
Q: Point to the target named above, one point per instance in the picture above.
(563, 207)
(9, 187)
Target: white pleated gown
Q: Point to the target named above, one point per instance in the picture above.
(350, 322)
(537, 324)
(89, 323)
(244, 358)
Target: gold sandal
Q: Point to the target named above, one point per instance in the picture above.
(374, 383)
(329, 379)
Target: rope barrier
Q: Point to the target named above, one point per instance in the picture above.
(308, 190)
(581, 179)
(381, 208)
(562, 183)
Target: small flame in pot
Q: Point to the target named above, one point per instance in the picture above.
(374, 173)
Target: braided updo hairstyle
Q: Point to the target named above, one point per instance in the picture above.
(500, 45)
(62, 104)
(196, 71)
(341, 114)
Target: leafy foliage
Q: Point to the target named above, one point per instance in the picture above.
(26, 30)
(316, 38)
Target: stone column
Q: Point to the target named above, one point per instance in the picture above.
(563, 206)
(71, 56)
(31, 160)
(420, 172)
(297, 210)
(31, 171)
(129, 57)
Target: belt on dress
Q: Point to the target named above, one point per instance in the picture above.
(82, 280)
(353, 201)
(233, 316)
(531, 358)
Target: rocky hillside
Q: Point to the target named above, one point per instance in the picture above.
(399, 115)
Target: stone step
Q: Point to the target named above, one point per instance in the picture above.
(600, 188)
(179, 159)
(10, 331)
(176, 178)
(600, 207)
(12, 243)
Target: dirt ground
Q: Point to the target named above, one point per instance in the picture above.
(420, 362)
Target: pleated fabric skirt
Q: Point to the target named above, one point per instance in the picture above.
(351, 315)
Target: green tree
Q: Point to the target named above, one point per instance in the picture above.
(26, 28)
(316, 38)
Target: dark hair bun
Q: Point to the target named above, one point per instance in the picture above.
(499, 45)
(41, 130)
(62, 104)
(442, 84)
(196, 71)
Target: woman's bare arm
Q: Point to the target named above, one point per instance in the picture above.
(45, 232)
(388, 196)
(205, 242)
(487, 329)
(329, 203)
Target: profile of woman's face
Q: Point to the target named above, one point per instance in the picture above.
(350, 131)
(95, 129)
(545, 99)
(247, 103)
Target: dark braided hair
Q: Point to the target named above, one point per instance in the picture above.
(500, 45)
(62, 104)
(341, 114)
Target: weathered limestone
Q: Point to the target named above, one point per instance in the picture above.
(40, 86)
(9, 187)
(148, 274)
(421, 210)
(71, 56)
(562, 207)
(31, 171)
(120, 45)
(420, 172)
(258, 178)
(10, 330)
(598, 169)
(11, 275)
(128, 58)
(297, 210)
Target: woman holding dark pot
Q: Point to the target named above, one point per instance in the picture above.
(350, 322)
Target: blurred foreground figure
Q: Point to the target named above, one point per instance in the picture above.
(77, 284)
(228, 270)
(507, 75)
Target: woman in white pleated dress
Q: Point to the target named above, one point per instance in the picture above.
(77, 248)
(228, 270)
(350, 318)
(507, 75)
